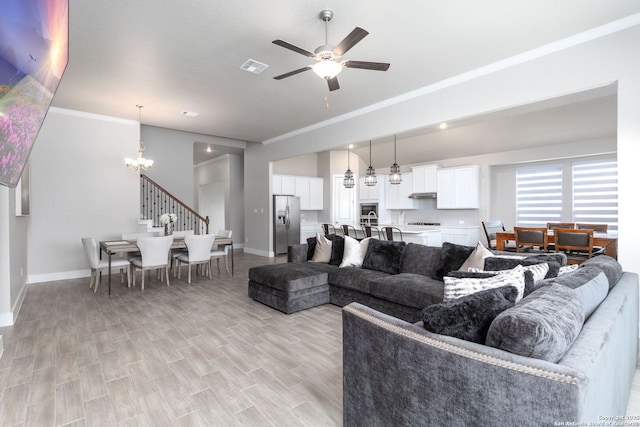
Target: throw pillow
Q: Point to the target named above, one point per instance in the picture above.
(476, 259)
(456, 288)
(567, 269)
(354, 252)
(322, 251)
(337, 248)
(452, 257)
(384, 256)
(503, 263)
(469, 317)
(544, 325)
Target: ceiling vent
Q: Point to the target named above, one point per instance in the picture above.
(189, 113)
(253, 66)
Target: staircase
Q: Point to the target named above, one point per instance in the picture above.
(155, 201)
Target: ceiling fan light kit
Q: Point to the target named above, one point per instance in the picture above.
(328, 58)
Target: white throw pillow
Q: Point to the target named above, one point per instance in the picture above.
(322, 252)
(455, 287)
(354, 251)
(476, 258)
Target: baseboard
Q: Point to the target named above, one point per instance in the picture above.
(62, 275)
(258, 252)
(1, 346)
(9, 318)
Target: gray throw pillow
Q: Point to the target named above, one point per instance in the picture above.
(543, 325)
(451, 258)
(469, 317)
(384, 256)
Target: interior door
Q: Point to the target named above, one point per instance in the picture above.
(344, 203)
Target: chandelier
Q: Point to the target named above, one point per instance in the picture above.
(395, 177)
(370, 178)
(139, 162)
(348, 182)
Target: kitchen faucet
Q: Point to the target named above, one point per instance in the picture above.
(369, 217)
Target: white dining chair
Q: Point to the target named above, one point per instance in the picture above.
(217, 253)
(180, 234)
(154, 254)
(98, 265)
(198, 250)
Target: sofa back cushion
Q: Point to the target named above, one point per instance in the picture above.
(612, 268)
(420, 259)
(384, 255)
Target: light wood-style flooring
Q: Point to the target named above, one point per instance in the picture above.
(203, 354)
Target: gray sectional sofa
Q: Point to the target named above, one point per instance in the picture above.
(565, 353)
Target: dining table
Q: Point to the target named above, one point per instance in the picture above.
(112, 247)
(605, 240)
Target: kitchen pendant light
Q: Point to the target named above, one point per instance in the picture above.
(139, 162)
(395, 177)
(348, 182)
(370, 178)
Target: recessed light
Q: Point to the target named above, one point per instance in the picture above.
(443, 125)
(189, 113)
(208, 148)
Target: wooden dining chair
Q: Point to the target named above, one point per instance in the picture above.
(597, 228)
(565, 225)
(527, 238)
(576, 244)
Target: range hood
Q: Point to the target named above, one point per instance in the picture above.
(432, 195)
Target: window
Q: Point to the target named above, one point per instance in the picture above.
(538, 195)
(571, 190)
(595, 193)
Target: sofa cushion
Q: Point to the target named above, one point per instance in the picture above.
(544, 325)
(507, 263)
(420, 259)
(354, 278)
(291, 276)
(451, 258)
(337, 248)
(476, 258)
(384, 255)
(322, 250)
(576, 278)
(354, 251)
(469, 317)
(412, 290)
(612, 268)
(456, 288)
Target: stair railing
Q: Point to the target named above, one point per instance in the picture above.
(155, 201)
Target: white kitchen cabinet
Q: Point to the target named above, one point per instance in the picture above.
(369, 194)
(425, 178)
(459, 187)
(310, 191)
(467, 236)
(397, 195)
(283, 184)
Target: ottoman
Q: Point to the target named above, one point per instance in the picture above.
(290, 287)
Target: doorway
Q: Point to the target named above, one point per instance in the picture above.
(212, 204)
(344, 203)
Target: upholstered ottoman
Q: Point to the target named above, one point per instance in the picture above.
(290, 287)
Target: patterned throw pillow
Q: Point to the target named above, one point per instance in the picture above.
(456, 288)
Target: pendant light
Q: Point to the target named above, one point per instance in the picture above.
(348, 182)
(370, 178)
(139, 162)
(395, 177)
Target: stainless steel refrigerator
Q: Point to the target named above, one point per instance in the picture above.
(286, 222)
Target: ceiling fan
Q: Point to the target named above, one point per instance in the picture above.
(328, 64)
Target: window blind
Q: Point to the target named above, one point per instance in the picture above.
(538, 195)
(595, 193)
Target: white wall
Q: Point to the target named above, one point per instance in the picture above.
(570, 66)
(79, 188)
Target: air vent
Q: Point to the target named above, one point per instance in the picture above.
(253, 66)
(189, 113)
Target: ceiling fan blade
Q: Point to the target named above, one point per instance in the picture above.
(350, 41)
(367, 65)
(292, 73)
(333, 84)
(294, 48)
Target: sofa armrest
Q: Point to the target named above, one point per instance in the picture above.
(397, 373)
(297, 253)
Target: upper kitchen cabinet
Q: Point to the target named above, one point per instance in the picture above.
(283, 184)
(310, 190)
(373, 193)
(459, 187)
(425, 179)
(397, 195)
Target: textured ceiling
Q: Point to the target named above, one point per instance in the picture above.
(175, 56)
